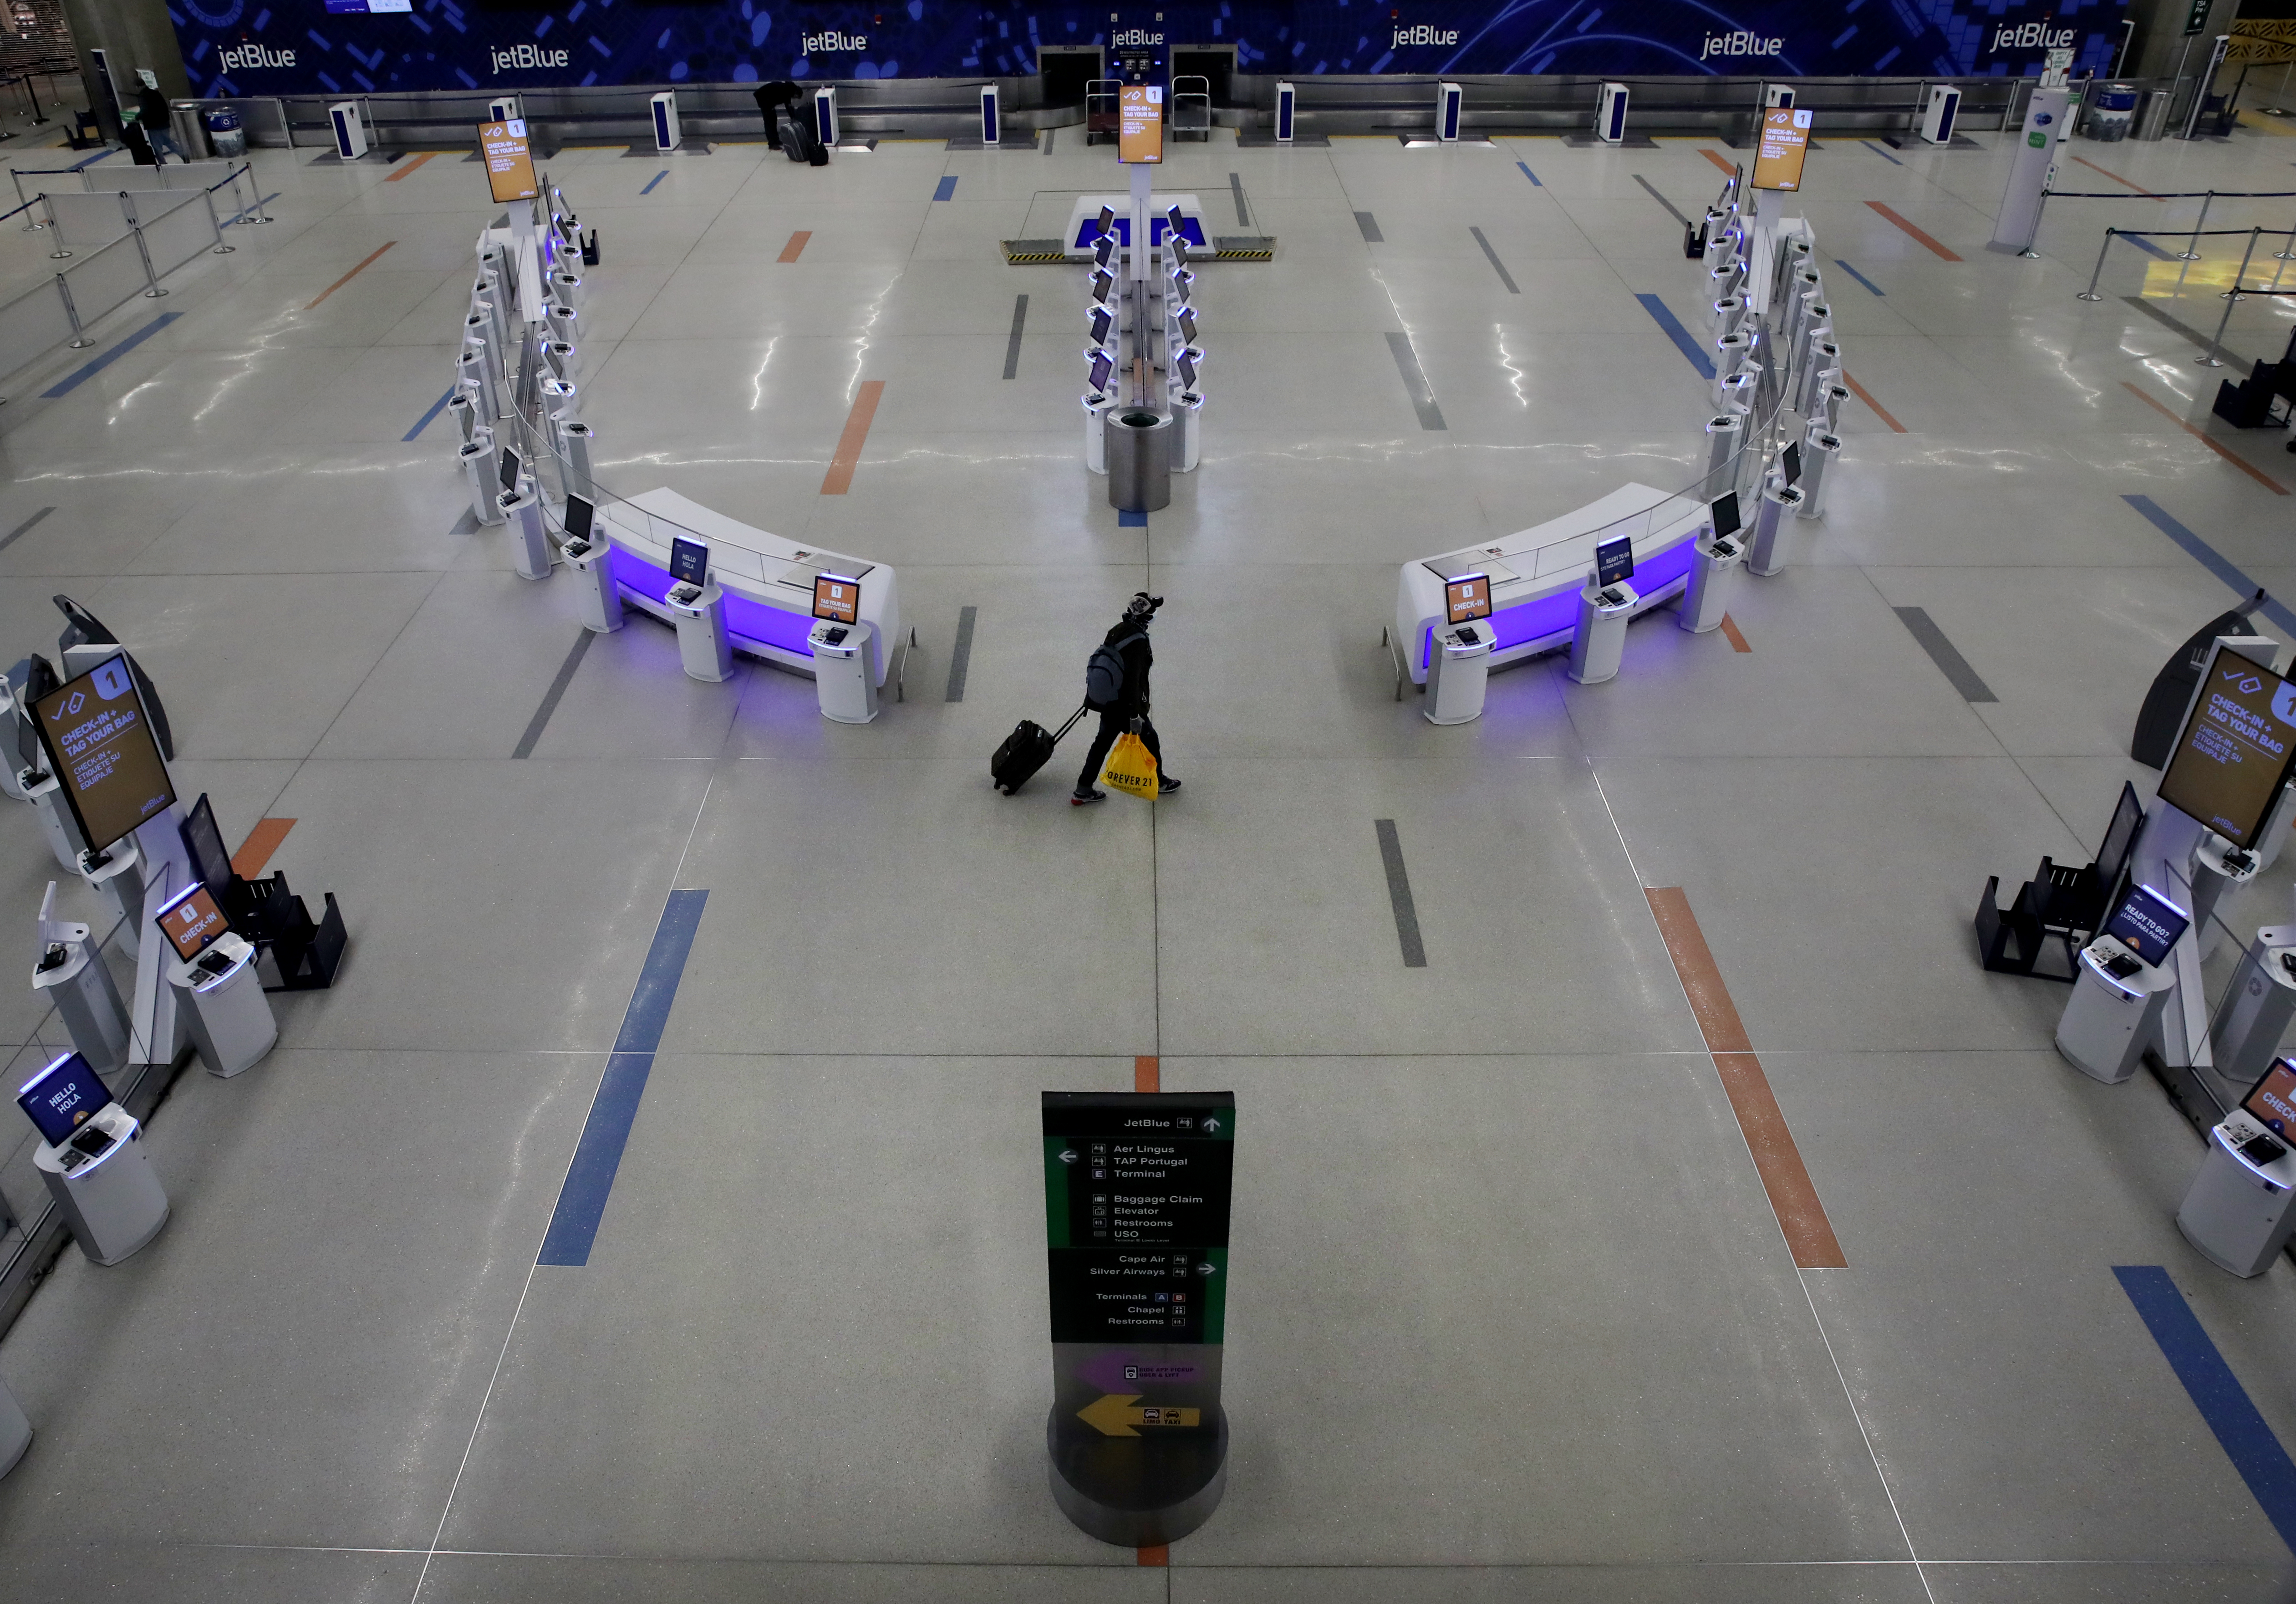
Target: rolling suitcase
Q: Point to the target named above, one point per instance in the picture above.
(1025, 751)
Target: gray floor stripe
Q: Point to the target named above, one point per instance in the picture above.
(2203, 340)
(1370, 226)
(1235, 185)
(18, 533)
(1951, 663)
(1497, 265)
(1398, 892)
(1049, 140)
(1661, 198)
(1012, 348)
(960, 657)
(541, 720)
(1415, 380)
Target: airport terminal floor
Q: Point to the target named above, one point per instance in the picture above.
(1513, 1315)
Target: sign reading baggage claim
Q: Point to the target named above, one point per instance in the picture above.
(1136, 1231)
(2235, 750)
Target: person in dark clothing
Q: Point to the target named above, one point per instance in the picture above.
(770, 98)
(1129, 637)
(152, 117)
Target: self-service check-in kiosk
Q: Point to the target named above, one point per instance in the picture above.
(1936, 116)
(1459, 654)
(664, 108)
(698, 609)
(844, 652)
(350, 129)
(45, 793)
(2120, 986)
(1287, 101)
(593, 563)
(91, 1158)
(1714, 565)
(2217, 864)
(1448, 100)
(2240, 1209)
(992, 122)
(70, 974)
(2253, 1017)
(1610, 113)
(1605, 605)
(117, 873)
(824, 116)
(1767, 555)
(215, 979)
(521, 509)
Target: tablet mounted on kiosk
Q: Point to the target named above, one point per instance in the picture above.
(2271, 1102)
(1107, 223)
(63, 1097)
(2147, 924)
(836, 599)
(1186, 364)
(1791, 458)
(1614, 560)
(1103, 281)
(1103, 323)
(510, 471)
(192, 922)
(1102, 369)
(1187, 326)
(1466, 597)
(1104, 249)
(579, 514)
(1726, 514)
(689, 562)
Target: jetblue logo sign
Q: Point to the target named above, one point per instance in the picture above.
(834, 43)
(1424, 35)
(249, 57)
(2030, 35)
(1136, 36)
(526, 57)
(1739, 44)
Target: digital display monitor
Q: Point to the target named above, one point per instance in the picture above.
(1186, 364)
(2147, 924)
(1468, 597)
(1102, 369)
(836, 598)
(1103, 322)
(689, 562)
(1104, 225)
(1140, 123)
(511, 468)
(1783, 144)
(1103, 281)
(1726, 515)
(509, 161)
(1790, 461)
(1614, 560)
(2235, 752)
(63, 1097)
(1180, 283)
(98, 740)
(1187, 326)
(2271, 1101)
(1104, 248)
(579, 514)
(211, 858)
(192, 922)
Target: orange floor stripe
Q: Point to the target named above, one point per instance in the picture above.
(1730, 633)
(262, 842)
(409, 167)
(2217, 446)
(1879, 410)
(1147, 1075)
(1808, 1234)
(796, 244)
(353, 274)
(840, 477)
(1161, 1554)
(1715, 157)
(1913, 229)
(2117, 178)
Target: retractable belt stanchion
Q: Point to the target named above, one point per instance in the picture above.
(1767, 555)
(222, 996)
(71, 975)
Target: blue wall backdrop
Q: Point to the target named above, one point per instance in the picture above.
(340, 47)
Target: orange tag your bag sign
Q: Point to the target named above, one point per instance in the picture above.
(510, 162)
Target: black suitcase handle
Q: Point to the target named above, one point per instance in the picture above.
(1072, 724)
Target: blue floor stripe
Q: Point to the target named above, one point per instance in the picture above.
(1860, 277)
(657, 178)
(1883, 155)
(2208, 557)
(1681, 336)
(436, 407)
(590, 1177)
(86, 371)
(947, 190)
(2216, 1392)
(2149, 247)
(1528, 174)
(262, 205)
(92, 161)
(1124, 520)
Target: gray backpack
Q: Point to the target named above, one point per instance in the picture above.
(1103, 674)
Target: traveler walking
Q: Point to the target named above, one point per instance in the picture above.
(1116, 687)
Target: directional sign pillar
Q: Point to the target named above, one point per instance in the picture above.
(1136, 1215)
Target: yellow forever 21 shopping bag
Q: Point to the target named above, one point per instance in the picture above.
(1131, 768)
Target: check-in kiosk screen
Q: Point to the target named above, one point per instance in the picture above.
(2234, 754)
(1103, 281)
(1104, 249)
(211, 858)
(510, 466)
(836, 598)
(1105, 223)
(689, 562)
(1614, 560)
(1186, 364)
(1791, 458)
(1187, 326)
(1783, 145)
(192, 922)
(1103, 323)
(1726, 515)
(63, 1097)
(1468, 597)
(1140, 123)
(1103, 370)
(2147, 924)
(2272, 1101)
(579, 514)
(99, 738)
(510, 159)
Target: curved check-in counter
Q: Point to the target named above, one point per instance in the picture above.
(767, 581)
(1536, 573)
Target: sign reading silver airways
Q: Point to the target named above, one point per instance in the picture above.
(247, 58)
(525, 57)
(1740, 44)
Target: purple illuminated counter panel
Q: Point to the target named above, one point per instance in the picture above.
(1536, 575)
(767, 581)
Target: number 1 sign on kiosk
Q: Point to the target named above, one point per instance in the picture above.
(509, 161)
(2236, 750)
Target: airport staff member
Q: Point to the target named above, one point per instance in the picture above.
(1116, 686)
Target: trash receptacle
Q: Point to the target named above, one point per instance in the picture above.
(1139, 447)
(184, 122)
(2153, 115)
(226, 136)
(2111, 110)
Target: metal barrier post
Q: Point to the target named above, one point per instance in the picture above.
(59, 253)
(2289, 254)
(34, 226)
(136, 229)
(2215, 358)
(2090, 294)
(216, 223)
(79, 340)
(2192, 250)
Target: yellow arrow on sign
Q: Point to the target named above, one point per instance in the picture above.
(1113, 1415)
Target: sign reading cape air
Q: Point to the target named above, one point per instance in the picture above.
(396, 47)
